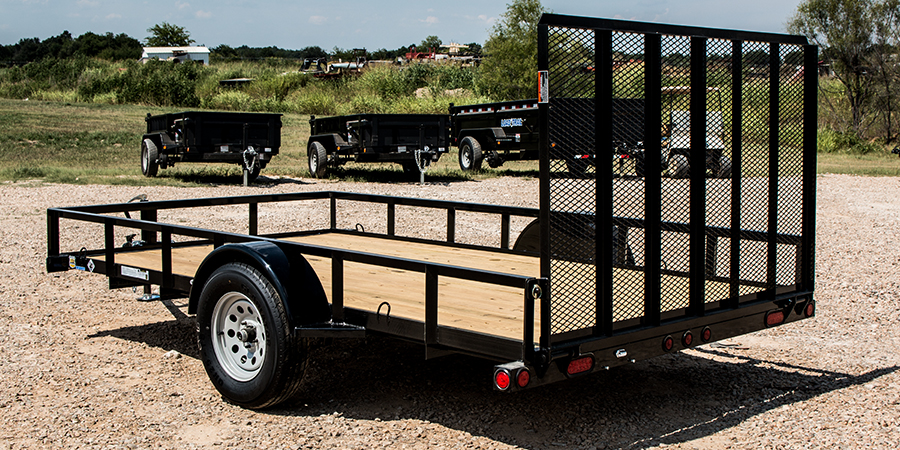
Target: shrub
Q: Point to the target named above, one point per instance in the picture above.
(831, 141)
(228, 100)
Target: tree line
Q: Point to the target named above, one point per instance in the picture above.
(109, 46)
(118, 47)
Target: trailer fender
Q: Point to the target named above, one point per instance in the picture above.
(487, 137)
(293, 278)
(330, 141)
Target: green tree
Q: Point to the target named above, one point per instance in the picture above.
(168, 35)
(509, 65)
(430, 43)
(859, 37)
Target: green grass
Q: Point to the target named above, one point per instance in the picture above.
(77, 143)
(880, 165)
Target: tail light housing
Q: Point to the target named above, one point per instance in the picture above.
(810, 309)
(687, 338)
(502, 379)
(774, 318)
(523, 378)
(668, 343)
(706, 334)
(579, 365)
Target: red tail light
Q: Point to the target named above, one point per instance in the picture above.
(523, 378)
(706, 334)
(668, 343)
(810, 309)
(501, 380)
(774, 318)
(687, 338)
(580, 365)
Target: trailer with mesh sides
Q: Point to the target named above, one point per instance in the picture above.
(677, 262)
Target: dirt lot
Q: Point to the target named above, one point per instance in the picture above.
(86, 367)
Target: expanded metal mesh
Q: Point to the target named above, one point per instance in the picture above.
(572, 191)
(744, 180)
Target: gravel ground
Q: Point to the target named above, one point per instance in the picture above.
(87, 367)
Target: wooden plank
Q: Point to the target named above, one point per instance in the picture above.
(464, 304)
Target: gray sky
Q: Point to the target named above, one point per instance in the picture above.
(353, 24)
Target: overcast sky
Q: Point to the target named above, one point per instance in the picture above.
(372, 24)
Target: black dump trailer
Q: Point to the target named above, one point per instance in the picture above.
(509, 131)
(495, 133)
(249, 140)
(412, 140)
(608, 271)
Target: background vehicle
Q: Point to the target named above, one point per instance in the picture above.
(411, 140)
(495, 132)
(247, 139)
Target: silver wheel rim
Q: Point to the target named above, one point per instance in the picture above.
(238, 336)
(314, 160)
(465, 157)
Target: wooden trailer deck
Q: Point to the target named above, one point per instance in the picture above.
(464, 304)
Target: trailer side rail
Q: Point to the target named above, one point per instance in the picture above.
(437, 338)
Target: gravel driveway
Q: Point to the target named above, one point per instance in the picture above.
(87, 367)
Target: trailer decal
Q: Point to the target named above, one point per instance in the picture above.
(132, 272)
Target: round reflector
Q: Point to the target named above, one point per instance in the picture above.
(668, 343)
(810, 309)
(687, 338)
(706, 334)
(501, 380)
(523, 378)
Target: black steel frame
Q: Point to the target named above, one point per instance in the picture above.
(607, 341)
(605, 332)
(438, 339)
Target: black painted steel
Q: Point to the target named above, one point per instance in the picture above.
(717, 208)
(711, 225)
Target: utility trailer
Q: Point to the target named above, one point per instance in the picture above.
(412, 140)
(249, 140)
(681, 262)
(509, 131)
(495, 133)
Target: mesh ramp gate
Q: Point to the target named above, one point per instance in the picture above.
(715, 207)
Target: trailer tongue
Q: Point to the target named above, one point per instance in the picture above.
(609, 271)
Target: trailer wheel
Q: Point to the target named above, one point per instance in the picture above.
(149, 155)
(254, 173)
(724, 167)
(577, 167)
(640, 166)
(679, 166)
(470, 155)
(245, 340)
(318, 159)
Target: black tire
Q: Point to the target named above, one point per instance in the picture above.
(724, 167)
(470, 154)
(679, 166)
(410, 167)
(318, 159)
(149, 156)
(577, 167)
(254, 174)
(640, 166)
(245, 340)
